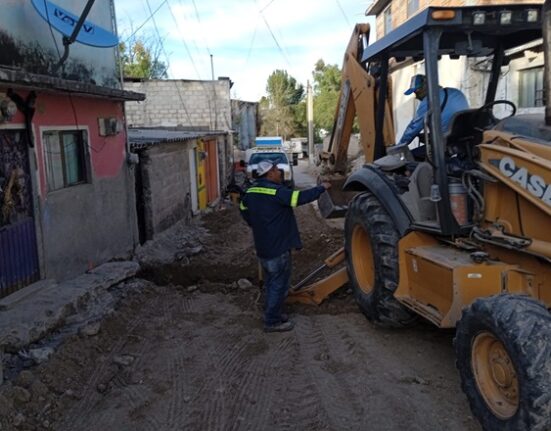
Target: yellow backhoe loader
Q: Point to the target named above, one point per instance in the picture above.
(458, 229)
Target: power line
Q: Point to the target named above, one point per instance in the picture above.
(149, 18)
(343, 12)
(199, 21)
(275, 40)
(281, 50)
(252, 44)
(167, 59)
(183, 39)
(266, 7)
(194, 65)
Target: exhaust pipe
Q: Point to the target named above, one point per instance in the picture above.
(546, 22)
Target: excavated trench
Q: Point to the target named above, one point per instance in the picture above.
(200, 273)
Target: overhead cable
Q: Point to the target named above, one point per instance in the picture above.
(149, 18)
(167, 59)
(343, 12)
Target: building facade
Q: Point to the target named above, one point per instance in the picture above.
(63, 148)
(191, 121)
(176, 177)
(245, 122)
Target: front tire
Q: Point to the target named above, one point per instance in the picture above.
(503, 348)
(371, 245)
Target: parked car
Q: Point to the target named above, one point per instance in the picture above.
(255, 156)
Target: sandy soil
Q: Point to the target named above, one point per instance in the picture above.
(185, 350)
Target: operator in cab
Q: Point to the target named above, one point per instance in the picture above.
(452, 100)
(267, 207)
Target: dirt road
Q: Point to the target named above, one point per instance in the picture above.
(185, 350)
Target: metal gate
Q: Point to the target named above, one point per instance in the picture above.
(19, 264)
(18, 257)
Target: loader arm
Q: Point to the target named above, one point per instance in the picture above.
(357, 98)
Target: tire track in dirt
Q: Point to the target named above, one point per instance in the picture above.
(377, 399)
(233, 391)
(390, 381)
(322, 359)
(298, 406)
(208, 401)
(138, 396)
(215, 345)
(246, 409)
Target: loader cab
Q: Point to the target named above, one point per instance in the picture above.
(445, 161)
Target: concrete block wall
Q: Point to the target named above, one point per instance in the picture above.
(167, 185)
(172, 103)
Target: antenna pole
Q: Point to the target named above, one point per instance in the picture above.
(71, 39)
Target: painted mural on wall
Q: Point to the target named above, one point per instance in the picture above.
(29, 43)
(15, 180)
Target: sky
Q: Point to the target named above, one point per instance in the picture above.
(248, 39)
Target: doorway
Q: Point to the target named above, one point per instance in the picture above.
(19, 265)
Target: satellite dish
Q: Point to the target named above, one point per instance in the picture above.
(65, 22)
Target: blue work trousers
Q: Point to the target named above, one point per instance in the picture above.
(277, 276)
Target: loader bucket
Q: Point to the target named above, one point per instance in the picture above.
(334, 202)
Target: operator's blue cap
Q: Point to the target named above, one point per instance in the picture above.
(417, 82)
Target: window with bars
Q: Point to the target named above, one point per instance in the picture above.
(387, 16)
(66, 158)
(531, 87)
(413, 7)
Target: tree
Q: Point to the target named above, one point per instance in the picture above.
(327, 85)
(279, 106)
(140, 59)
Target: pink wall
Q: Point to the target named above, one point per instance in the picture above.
(107, 153)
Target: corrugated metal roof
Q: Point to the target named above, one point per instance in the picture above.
(141, 138)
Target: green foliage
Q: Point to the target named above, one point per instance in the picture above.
(140, 59)
(280, 108)
(327, 77)
(327, 84)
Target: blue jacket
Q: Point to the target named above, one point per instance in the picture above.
(456, 102)
(268, 208)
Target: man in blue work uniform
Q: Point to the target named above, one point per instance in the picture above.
(452, 100)
(267, 207)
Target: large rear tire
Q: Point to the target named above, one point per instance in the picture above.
(371, 245)
(503, 348)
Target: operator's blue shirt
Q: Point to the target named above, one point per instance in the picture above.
(268, 208)
(456, 102)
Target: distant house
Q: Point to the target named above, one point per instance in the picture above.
(64, 201)
(522, 79)
(245, 122)
(183, 136)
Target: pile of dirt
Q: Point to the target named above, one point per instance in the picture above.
(228, 255)
(36, 398)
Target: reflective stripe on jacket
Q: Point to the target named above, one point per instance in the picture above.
(268, 209)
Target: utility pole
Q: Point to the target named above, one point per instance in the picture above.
(212, 67)
(310, 119)
(214, 93)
